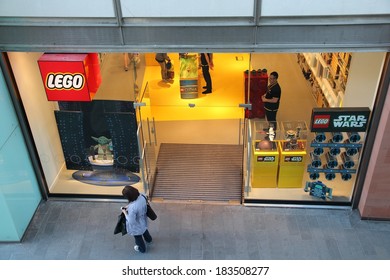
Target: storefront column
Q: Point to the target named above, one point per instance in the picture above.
(375, 200)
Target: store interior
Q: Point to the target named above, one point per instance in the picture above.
(207, 119)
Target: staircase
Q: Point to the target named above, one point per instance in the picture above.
(199, 172)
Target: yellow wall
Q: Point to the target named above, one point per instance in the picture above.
(149, 59)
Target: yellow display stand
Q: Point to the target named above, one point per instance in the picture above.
(189, 77)
(291, 164)
(265, 162)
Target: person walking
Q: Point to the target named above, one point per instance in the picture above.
(206, 62)
(136, 219)
(271, 99)
(126, 61)
(162, 59)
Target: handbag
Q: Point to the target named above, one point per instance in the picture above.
(170, 70)
(121, 225)
(149, 211)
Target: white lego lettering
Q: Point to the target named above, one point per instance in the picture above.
(65, 81)
(321, 121)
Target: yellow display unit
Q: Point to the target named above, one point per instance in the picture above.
(291, 164)
(265, 163)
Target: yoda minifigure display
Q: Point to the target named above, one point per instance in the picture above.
(103, 148)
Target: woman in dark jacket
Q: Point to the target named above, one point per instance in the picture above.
(136, 219)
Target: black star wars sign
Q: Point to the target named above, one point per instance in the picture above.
(340, 119)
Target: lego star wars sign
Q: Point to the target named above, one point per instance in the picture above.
(70, 77)
(266, 159)
(340, 119)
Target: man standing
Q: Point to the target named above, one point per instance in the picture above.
(162, 59)
(271, 99)
(206, 62)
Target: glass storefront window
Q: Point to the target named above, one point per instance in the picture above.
(322, 167)
(133, 97)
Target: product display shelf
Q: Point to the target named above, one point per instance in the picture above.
(291, 164)
(320, 71)
(331, 157)
(328, 73)
(292, 154)
(265, 156)
(265, 163)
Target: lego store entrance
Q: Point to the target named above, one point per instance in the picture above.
(193, 142)
(172, 141)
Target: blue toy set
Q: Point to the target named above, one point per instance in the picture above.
(318, 189)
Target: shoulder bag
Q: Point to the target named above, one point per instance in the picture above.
(149, 211)
(121, 225)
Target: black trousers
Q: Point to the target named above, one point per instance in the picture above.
(271, 117)
(139, 240)
(207, 77)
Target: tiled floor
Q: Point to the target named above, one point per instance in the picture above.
(84, 231)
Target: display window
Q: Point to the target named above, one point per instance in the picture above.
(197, 128)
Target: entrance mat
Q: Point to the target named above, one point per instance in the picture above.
(199, 172)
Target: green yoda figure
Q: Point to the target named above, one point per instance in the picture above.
(104, 148)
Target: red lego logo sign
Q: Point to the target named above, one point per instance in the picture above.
(321, 121)
(65, 81)
(70, 77)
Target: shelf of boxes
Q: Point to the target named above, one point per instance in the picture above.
(329, 74)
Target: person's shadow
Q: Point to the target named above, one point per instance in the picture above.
(163, 84)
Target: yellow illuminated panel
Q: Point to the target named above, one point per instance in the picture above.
(265, 164)
(292, 164)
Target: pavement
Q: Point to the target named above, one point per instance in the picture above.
(79, 230)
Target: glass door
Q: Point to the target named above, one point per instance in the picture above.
(147, 141)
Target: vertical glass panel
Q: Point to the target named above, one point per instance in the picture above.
(147, 140)
(7, 114)
(19, 191)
